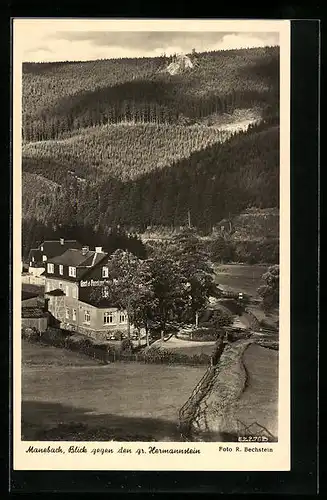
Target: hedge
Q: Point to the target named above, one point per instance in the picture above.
(107, 353)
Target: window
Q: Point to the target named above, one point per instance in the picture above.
(105, 292)
(61, 269)
(74, 293)
(31, 263)
(67, 291)
(42, 248)
(105, 272)
(87, 317)
(72, 271)
(33, 260)
(50, 268)
(74, 314)
(108, 318)
(67, 313)
(122, 318)
(44, 258)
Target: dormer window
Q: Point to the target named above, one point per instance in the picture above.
(72, 271)
(105, 292)
(105, 272)
(50, 268)
(61, 269)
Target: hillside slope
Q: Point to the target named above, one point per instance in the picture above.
(146, 147)
(62, 97)
(124, 142)
(212, 183)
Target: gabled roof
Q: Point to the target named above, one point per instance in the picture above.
(36, 253)
(56, 293)
(52, 248)
(33, 302)
(33, 312)
(26, 295)
(76, 258)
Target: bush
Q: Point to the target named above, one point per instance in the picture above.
(270, 290)
(156, 355)
(222, 250)
(257, 251)
(205, 334)
(126, 345)
(235, 335)
(221, 318)
(30, 333)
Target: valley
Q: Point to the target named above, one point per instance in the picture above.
(150, 144)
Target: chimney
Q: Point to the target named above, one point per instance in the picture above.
(62, 241)
(85, 250)
(98, 249)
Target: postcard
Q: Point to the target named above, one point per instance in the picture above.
(151, 244)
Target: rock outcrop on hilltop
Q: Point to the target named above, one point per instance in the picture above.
(180, 63)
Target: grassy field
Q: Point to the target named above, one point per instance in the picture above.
(244, 393)
(188, 347)
(241, 277)
(259, 401)
(122, 399)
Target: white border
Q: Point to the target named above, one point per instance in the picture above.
(210, 458)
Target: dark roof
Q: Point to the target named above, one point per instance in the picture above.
(56, 293)
(33, 301)
(36, 253)
(26, 295)
(75, 258)
(52, 248)
(102, 303)
(33, 312)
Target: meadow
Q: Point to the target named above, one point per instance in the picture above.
(259, 401)
(119, 401)
(241, 277)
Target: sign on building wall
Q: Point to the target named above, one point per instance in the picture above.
(88, 283)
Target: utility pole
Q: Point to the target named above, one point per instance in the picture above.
(189, 219)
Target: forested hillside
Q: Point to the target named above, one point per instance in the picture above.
(122, 151)
(61, 97)
(124, 143)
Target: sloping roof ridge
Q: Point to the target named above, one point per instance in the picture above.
(58, 241)
(93, 260)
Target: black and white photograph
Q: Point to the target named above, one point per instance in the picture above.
(149, 192)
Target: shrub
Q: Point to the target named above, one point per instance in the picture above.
(126, 345)
(221, 318)
(30, 333)
(221, 250)
(205, 334)
(156, 355)
(269, 291)
(235, 335)
(257, 251)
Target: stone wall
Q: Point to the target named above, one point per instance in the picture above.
(205, 415)
(213, 417)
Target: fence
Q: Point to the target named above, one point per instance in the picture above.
(41, 324)
(187, 412)
(107, 354)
